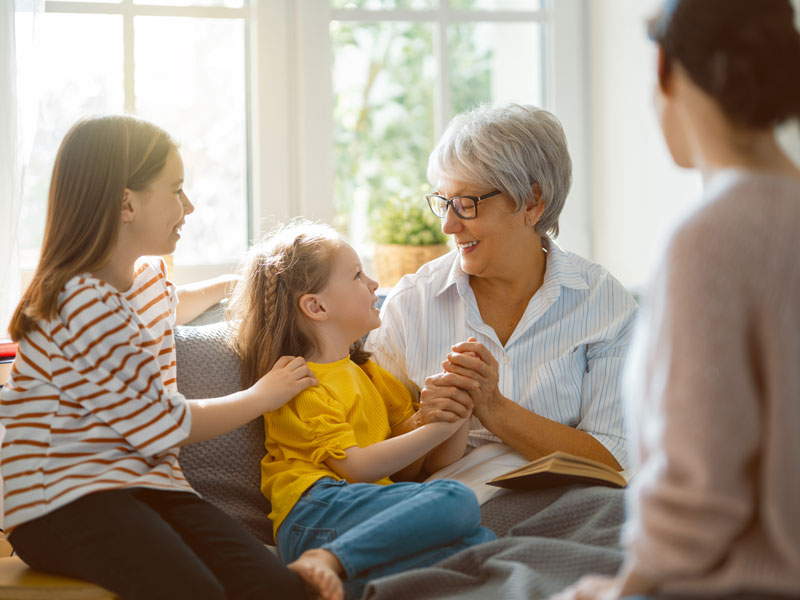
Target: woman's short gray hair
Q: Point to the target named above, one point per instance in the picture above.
(509, 148)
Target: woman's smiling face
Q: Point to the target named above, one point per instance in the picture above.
(488, 244)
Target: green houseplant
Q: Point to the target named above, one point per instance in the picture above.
(406, 235)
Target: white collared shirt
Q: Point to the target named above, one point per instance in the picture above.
(563, 361)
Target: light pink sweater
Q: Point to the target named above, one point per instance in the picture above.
(714, 394)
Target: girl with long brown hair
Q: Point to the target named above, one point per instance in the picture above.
(92, 484)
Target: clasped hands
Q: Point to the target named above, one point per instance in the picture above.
(466, 385)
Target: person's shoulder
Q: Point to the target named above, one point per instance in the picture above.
(597, 277)
(84, 291)
(736, 211)
(737, 202)
(147, 267)
(151, 284)
(376, 372)
(732, 227)
(316, 393)
(308, 403)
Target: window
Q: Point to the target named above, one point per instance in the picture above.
(180, 64)
(276, 110)
(402, 69)
(394, 73)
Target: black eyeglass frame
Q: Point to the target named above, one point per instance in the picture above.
(451, 202)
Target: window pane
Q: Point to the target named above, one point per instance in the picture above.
(495, 63)
(385, 4)
(383, 84)
(190, 79)
(227, 3)
(497, 4)
(76, 63)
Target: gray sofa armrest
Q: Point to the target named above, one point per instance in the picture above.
(226, 471)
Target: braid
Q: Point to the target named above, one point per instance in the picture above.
(264, 312)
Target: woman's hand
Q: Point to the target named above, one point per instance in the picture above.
(471, 367)
(288, 377)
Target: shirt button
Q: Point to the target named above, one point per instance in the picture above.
(505, 359)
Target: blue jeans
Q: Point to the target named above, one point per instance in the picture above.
(376, 530)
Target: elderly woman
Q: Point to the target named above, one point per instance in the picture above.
(530, 337)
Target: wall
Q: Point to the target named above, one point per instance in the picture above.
(638, 195)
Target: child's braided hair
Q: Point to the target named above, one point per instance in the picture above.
(264, 312)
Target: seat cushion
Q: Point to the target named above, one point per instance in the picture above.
(19, 582)
(226, 470)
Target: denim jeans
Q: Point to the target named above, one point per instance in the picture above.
(376, 530)
(152, 544)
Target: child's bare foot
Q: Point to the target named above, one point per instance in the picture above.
(321, 571)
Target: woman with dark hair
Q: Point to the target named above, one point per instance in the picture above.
(713, 379)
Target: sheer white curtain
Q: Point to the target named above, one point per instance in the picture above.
(19, 108)
(9, 178)
(10, 168)
(17, 126)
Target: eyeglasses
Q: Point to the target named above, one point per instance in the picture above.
(465, 207)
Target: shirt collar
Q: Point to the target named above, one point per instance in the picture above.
(561, 272)
(561, 269)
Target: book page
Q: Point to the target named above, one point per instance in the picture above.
(483, 464)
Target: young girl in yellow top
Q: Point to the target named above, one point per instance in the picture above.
(334, 447)
(92, 484)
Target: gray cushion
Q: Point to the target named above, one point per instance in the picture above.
(226, 471)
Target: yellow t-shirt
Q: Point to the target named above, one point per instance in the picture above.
(352, 406)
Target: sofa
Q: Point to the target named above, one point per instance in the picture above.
(226, 470)
(547, 539)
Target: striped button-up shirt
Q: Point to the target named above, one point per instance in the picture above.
(563, 361)
(92, 402)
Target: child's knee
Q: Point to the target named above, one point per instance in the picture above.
(458, 502)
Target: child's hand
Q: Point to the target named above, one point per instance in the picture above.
(285, 380)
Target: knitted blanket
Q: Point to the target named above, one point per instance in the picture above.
(547, 540)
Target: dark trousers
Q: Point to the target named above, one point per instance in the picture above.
(149, 544)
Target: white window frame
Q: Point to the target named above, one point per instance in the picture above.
(127, 9)
(290, 138)
(292, 155)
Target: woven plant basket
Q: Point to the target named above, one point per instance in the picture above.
(392, 261)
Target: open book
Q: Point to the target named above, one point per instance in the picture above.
(559, 468)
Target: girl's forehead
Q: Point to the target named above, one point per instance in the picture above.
(346, 254)
(173, 167)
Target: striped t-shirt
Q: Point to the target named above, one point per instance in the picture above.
(92, 402)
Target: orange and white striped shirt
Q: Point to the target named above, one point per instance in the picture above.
(92, 403)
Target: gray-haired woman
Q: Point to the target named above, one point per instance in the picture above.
(529, 337)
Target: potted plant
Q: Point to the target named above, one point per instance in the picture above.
(406, 235)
